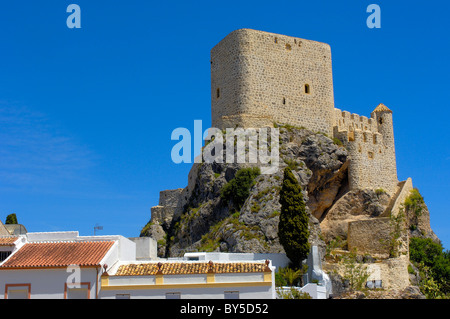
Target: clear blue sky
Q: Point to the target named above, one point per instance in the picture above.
(86, 114)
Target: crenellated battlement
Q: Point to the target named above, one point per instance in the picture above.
(350, 121)
(362, 137)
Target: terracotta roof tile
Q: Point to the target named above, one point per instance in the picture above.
(58, 254)
(381, 108)
(7, 241)
(171, 268)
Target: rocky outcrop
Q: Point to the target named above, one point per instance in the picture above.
(418, 223)
(353, 206)
(208, 222)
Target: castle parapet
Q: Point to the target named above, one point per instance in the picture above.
(170, 206)
(346, 121)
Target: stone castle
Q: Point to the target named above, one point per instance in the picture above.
(260, 78)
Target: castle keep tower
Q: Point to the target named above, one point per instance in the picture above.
(258, 78)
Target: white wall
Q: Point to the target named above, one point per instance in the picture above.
(52, 236)
(277, 259)
(46, 283)
(239, 277)
(203, 291)
(146, 247)
(264, 292)
(49, 283)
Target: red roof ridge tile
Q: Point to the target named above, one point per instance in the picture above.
(189, 267)
(8, 240)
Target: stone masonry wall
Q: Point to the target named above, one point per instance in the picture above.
(393, 272)
(404, 192)
(370, 236)
(372, 154)
(369, 162)
(170, 206)
(274, 77)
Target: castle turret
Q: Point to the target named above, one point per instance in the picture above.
(383, 117)
(370, 143)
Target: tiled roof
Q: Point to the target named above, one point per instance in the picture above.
(58, 254)
(7, 241)
(171, 268)
(382, 108)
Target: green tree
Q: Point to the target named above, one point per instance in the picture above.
(424, 250)
(11, 219)
(293, 229)
(238, 189)
(414, 202)
(434, 264)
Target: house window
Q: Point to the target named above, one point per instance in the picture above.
(17, 291)
(307, 89)
(4, 255)
(218, 93)
(173, 295)
(195, 258)
(231, 294)
(77, 290)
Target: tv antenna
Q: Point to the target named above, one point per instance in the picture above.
(97, 227)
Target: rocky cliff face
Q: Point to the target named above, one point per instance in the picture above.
(209, 223)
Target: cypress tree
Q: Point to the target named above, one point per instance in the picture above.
(11, 219)
(293, 227)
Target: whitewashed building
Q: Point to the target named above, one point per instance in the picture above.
(189, 280)
(64, 265)
(58, 265)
